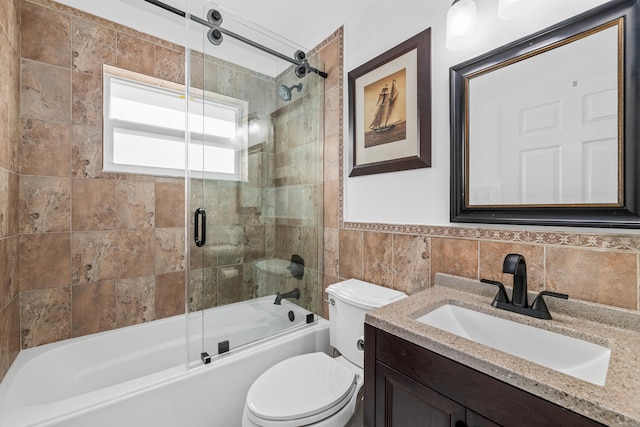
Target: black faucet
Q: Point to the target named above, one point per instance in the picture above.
(291, 294)
(516, 265)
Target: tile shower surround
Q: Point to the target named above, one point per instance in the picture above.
(9, 181)
(102, 250)
(98, 250)
(406, 257)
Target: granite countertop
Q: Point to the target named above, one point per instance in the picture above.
(616, 403)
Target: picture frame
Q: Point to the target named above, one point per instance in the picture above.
(390, 109)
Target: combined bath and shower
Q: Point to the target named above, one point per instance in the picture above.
(285, 92)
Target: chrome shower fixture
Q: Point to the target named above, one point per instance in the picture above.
(285, 92)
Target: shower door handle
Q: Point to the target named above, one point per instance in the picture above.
(200, 231)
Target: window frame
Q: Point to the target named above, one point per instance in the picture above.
(197, 140)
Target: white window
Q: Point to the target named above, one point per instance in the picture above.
(144, 129)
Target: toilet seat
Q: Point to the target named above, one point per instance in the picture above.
(301, 390)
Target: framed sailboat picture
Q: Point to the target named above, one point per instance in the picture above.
(390, 109)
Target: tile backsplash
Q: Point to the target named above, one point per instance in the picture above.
(409, 262)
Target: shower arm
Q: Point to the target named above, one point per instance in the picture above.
(238, 37)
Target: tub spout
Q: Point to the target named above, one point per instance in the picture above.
(291, 294)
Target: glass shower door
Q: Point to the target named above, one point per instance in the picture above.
(255, 174)
(196, 236)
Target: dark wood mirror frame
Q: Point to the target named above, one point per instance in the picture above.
(625, 216)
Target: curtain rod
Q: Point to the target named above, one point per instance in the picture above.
(299, 59)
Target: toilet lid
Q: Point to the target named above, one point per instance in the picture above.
(301, 387)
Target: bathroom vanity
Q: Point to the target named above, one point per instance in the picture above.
(413, 385)
(417, 375)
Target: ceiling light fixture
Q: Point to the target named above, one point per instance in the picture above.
(462, 19)
(461, 24)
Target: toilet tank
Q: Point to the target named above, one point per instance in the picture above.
(349, 301)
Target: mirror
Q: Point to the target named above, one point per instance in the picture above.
(543, 130)
(553, 140)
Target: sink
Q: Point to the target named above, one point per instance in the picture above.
(572, 356)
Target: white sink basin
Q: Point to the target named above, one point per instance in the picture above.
(572, 356)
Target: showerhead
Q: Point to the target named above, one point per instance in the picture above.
(285, 92)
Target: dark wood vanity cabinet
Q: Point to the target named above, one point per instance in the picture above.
(403, 402)
(409, 386)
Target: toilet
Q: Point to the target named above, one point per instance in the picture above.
(315, 389)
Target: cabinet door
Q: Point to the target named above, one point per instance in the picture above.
(475, 420)
(403, 402)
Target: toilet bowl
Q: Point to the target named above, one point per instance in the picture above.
(315, 389)
(312, 390)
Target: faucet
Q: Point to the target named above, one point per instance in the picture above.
(291, 294)
(516, 265)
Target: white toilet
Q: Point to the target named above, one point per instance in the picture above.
(315, 389)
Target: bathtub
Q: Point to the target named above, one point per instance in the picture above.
(139, 375)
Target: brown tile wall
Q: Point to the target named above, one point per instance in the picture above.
(298, 179)
(114, 242)
(240, 223)
(334, 237)
(594, 267)
(277, 211)
(9, 182)
(408, 262)
(102, 250)
(98, 250)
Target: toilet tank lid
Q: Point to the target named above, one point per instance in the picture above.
(364, 294)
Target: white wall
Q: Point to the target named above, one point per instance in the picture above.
(421, 196)
(371, 27)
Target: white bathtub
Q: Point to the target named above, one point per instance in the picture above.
(138, 376)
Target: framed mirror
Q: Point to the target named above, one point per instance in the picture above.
(544, 131)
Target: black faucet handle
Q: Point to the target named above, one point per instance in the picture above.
(540, 306)
(553, 294)
(501, 296)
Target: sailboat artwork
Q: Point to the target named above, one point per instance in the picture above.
(386, 110)
(386, 99)
(390, 109)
